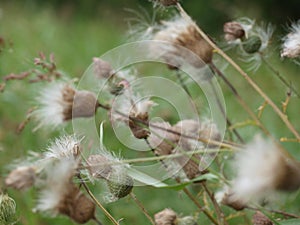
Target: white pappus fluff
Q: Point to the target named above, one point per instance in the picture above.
(64, 147)
(291, 44)
(257, 169)
(51, 105)
(55, 187)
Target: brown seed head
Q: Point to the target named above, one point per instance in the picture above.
(165, 217)
(137, 128)
(97, 167)
(233, 31)
(77, 206)
(260, 219)
(102, 69)
(21, 178)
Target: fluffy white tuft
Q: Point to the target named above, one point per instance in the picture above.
(291, 45)
(256, 170)
(64, 147)
(56, 185)
(51, 106)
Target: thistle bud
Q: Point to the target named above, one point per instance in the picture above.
(252, 44)
(260, 219)
(233, 31)
(165, 217)
(21, 178)
(119, 184)
(7, 210)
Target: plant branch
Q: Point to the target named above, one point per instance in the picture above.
(239, 69)
(140, 205)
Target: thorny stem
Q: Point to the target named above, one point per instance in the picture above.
(111, 218)
(280, 77)
(140, 205)
(239, 69)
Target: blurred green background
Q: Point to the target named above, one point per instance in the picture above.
(77, 31)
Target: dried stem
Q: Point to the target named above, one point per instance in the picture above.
(239, 69)
(140, 205)
(111, 218)
(224, 144)
(220, 214)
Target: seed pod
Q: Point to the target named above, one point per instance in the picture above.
(233, 31)
(102, 69)
(260, 219)
(7, 210)
(252, 44)
(165, 217)
(84, 105)
(119, 184)
(137, 129)
(21, 178)
(77, 206)
(96, 167)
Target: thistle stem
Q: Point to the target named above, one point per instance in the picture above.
(280, 77)
(140, 205)
(240, 70)
(181, 81)
(110, 217)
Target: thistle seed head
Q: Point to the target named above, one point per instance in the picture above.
(7, 210)
(119, 184)
(97, 167)
(252, 44)
(102, 69)
(165, 217)
(233, 31)
(21, 178)
(260, 219)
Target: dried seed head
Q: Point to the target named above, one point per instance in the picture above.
(255, 172)
(252, 44)
(76, 205)
(64, 147)
(165, 217)
(137, 128)
(233, 31)
(161, 140)
(225, 197)
(7, 209)
(85, 104)
(102, 69)
(187, 220)
(21, 178)
(140, 112)
(260, 219)
(167, 2)
(180, 33)
(60, 102)
(97, 167)
(291, 45)
(119, 183)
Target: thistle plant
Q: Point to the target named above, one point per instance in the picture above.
(223, 173)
